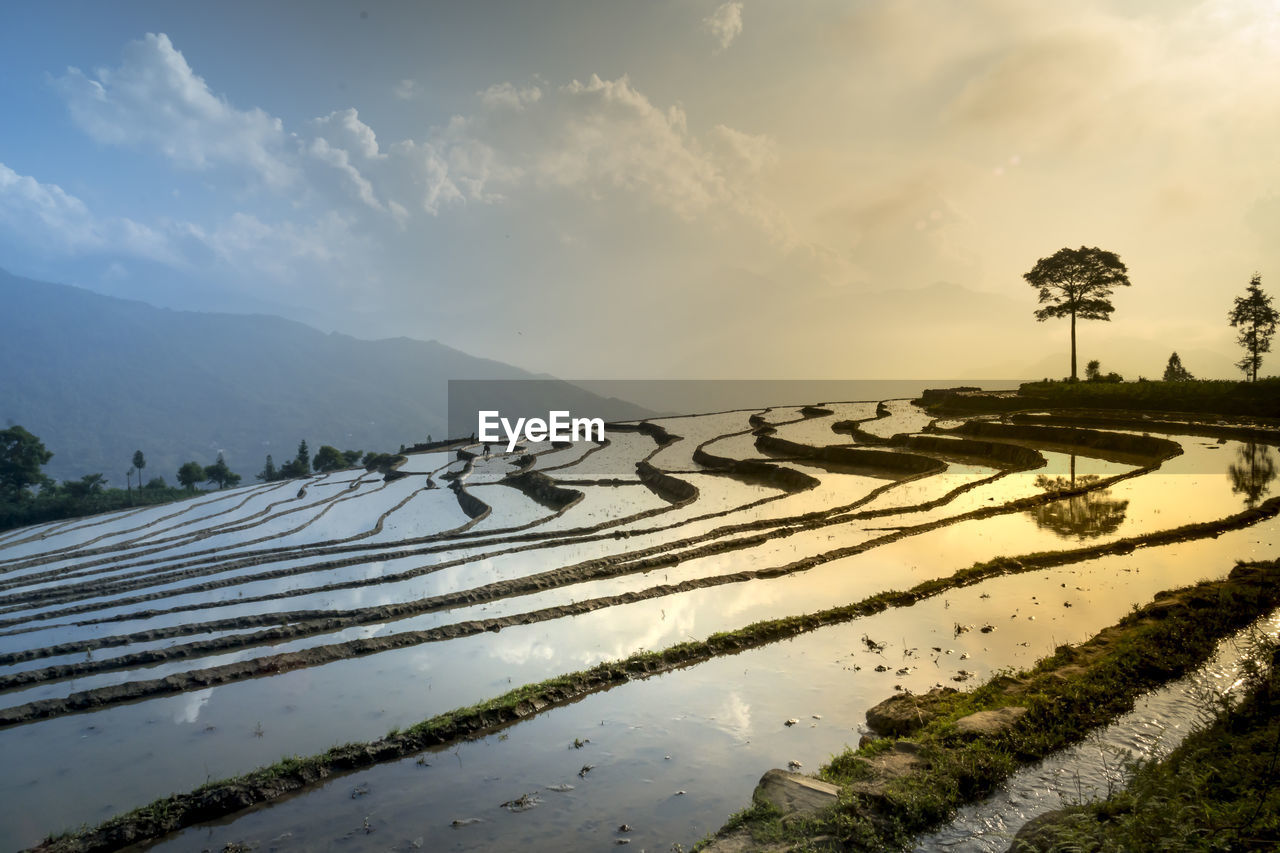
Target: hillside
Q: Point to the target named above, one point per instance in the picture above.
(97, 377)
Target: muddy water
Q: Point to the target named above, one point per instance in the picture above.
(177, 742)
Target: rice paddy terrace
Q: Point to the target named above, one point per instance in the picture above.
(152, 651)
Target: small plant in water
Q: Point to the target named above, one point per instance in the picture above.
(579, 743)
(258, 730)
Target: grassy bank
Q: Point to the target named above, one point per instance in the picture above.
(59, 505)
(1063, 698)
(1218, 397)
(1219, 790)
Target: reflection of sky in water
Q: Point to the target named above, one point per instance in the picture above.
(307, 710)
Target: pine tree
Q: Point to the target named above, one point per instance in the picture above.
(1256, 320)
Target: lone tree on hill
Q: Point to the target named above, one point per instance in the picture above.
(1077, 283)
(1256, 320)
(1175, 372)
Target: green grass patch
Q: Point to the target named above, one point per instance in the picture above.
(1067, 695)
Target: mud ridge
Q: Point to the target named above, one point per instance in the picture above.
(861, 458)
(223, 798)
(203, 678)
(806, 521)
(542, 489)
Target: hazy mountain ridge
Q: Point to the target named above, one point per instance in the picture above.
(96, 377)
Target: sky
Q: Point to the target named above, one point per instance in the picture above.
(663, 189)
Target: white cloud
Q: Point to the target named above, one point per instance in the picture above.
(725, 23)
(507, 95)
(324, 251)
(155, 100)
(754, 151)
(46, 215)
(345, 130)
(406, 90)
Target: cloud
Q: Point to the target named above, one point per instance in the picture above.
(754, 151)
(345, 130)
(46, 215)
(155, 100)
(507, 95)
(320, 254)
(406, 90)
(725, 23)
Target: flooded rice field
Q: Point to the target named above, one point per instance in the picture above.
(151, 651)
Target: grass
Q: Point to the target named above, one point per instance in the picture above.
(224, 797)
(1219, 397)
(1218, 790)
(58, 505)
(1067, 695)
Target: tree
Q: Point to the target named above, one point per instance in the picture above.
(303, 459)
(1175, 372)
(292, 470)
(157, 483)
(352, 457)
(269, 472)
(329, 458)
(1093, 371)
(21, 457)
(1256, 320)
(139, 462)
(219, 473)
(189, 474)
(89, 484)
(1077, 283)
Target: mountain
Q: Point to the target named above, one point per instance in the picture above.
(96, 378)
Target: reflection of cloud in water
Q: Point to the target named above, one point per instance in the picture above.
(734, 717)
(653, 624)
(188, 711)
(514, 650)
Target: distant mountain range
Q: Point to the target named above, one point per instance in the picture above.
(96, 378)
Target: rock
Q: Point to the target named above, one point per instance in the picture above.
(903, 759)
(793, 793)
(902, 715)
(990, 722)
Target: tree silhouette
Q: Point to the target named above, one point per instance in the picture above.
(1252, 472)
(1077, 283)
(22, 455)
(1175, 372)
(1253, 315)
(139, 462)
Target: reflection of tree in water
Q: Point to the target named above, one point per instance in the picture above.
(1252, 472)
(1085, 516)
